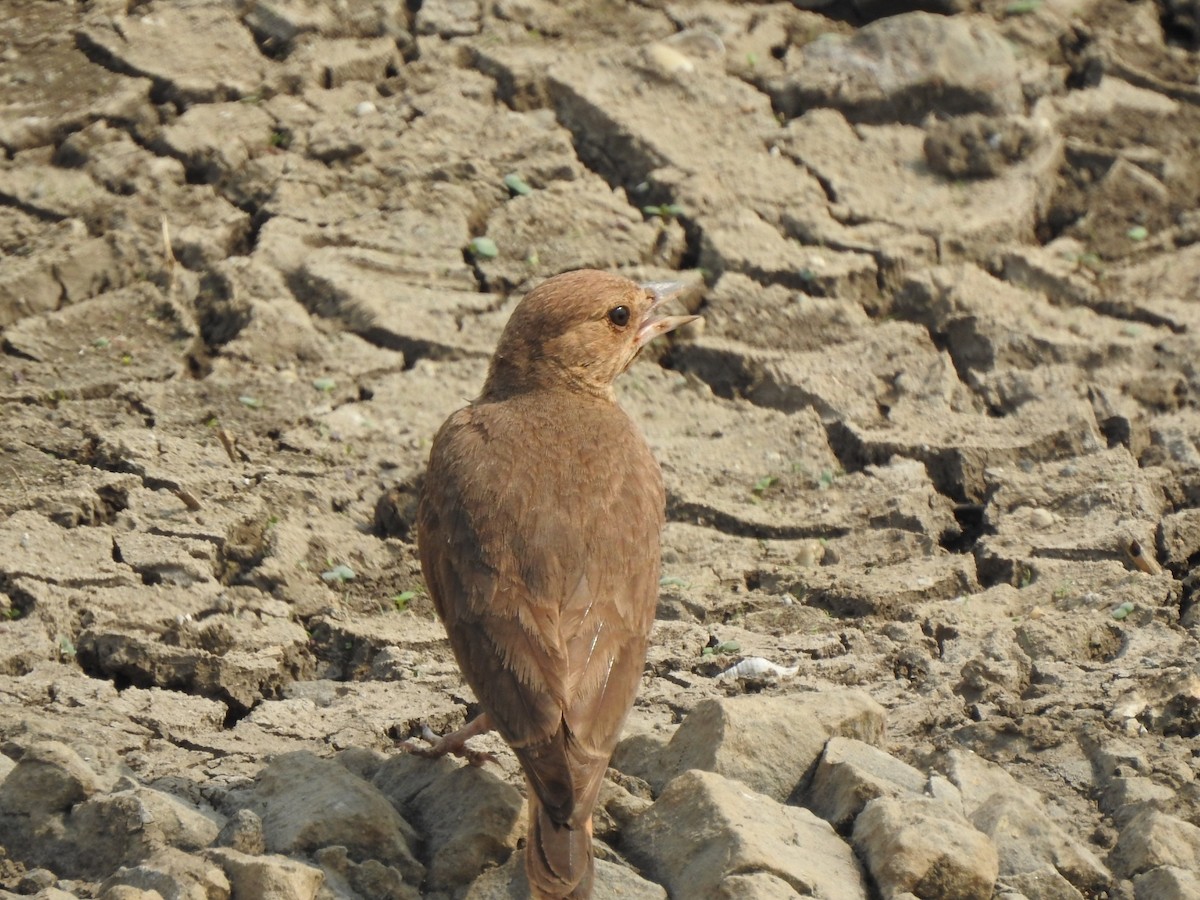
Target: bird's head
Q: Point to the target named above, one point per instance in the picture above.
(578, 330)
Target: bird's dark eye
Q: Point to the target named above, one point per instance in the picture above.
(619, 316)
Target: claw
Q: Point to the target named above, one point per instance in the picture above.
(454, 743)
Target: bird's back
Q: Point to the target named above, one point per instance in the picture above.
(539, 535)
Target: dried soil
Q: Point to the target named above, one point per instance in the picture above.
(938, 438)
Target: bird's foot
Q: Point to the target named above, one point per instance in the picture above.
(454, 743)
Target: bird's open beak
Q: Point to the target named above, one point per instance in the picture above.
(652, 326)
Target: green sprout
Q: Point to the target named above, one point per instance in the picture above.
(761, 486)
(517, 185)
(340, 573)
(664, 211)
(483, 248)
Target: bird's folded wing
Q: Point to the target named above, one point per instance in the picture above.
(547, 602)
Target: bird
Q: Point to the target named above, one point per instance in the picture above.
(539, 530)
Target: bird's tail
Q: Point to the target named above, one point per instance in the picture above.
(558, 858)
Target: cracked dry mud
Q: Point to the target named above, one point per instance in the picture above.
(927, 625)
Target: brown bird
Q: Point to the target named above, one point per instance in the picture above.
(539, 529)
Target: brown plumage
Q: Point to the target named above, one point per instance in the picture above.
(539, 535)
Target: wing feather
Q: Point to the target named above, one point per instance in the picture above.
(547, 600)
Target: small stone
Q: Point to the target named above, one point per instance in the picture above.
(173, 874)
(51, 777)
(1152, 839)
(705, 828)
(851, 774)
(923, 846)
(244, 833)
(306, 803)
(1167, 883)
(770, 744)
(1028, 840)
(268, 877)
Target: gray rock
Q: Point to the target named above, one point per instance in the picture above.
(449, 18)
(980, 146)
(55, 893)
(1042, 884)
(50, 777)
(129, 826)
(468, 818)
(371, 878)
(1179, 537)
(508, 882)
(1152, 839)
(771, 744)
(35, 880)
(851, 774)
(267, 877)
(1166, 883)
(705, 828)
(173, 874)
(307, 803)
(127, 892)
(622, 799)
(756, 886)
(923, 846)
(1028, 840)
(217, 61)
(243, 832)
(1125, 797)
(901, 68)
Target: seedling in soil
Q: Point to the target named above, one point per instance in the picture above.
(324, 384)
(517, 185)
(340, 573)
(250, 402)
(1138, 233)
(483, 248)
(829, 476)
(762, 485)
(401, 600)
(724, 649)
(664, 211)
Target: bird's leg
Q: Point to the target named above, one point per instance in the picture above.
(455, 742)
